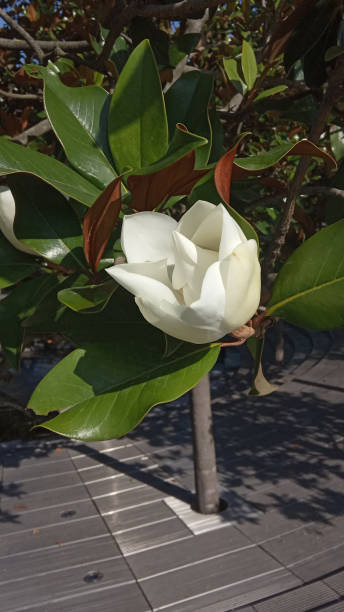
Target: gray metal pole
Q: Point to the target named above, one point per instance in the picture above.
(208, 500)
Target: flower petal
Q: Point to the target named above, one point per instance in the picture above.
(191, 264)
(145, 280)
(146, 236)
(241, 277)
(219, 232)
(209, 310)
(170, 319)
(194, 217)
(232, 234)
(7, 214)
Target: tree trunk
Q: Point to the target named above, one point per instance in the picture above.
(208, 500)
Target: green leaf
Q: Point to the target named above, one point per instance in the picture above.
(182, 46)
(15, 158)
(260, 386)
(45, 222)
(310, 286)
(137, 120)
(333, 52)
(19, 304)
(271, 92)
(231, 68)
(79, 118)
(14, 264)
(257, 163)
(249, 64)
(181, 144)
(187, 103)
(217, 147)
(89, 298)
(337, 142)
(109, 392)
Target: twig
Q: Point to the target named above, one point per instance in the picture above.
(334, 90)
(308, 190)
(123, 14)
(45, 45)
(31, 41)
(17, 96)
(177, 9)
(36, 130)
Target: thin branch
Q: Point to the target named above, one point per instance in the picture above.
(17, 96)
(45, 45)
(334, 90)
(308, 190)
(177, 9)
(36, 130)
(123, 14)
(31, 41)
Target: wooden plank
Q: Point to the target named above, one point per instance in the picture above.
(180, 554)
(146, 537)
(233, 596)
(302, 599)
(81, 580)
(48, 562)
(336, 582)
(41, 536)
(126, 598)
(302, 545)
(135, 517)
(128, 499)
(46, 499)
(236, 570)
(21, 521)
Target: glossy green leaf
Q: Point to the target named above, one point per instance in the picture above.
(110, 392)
(79, 118)
(260, 386)
(309, 289)
(271, 92)
(19, 304)
(206, 190)
(182, 46)
(14, 264)
(248, 64)
(337, 142)
(15, 158)
(187, 103)
(231, 68)
(181, 144)
(256, 163)
(93, 298)
(218, 137)
(45, 222)
(137, 120)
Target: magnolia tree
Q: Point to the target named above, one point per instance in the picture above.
(96, 249)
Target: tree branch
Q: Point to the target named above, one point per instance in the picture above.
(177, 10)
(36, 130)
(334, 90)
(123, 14)
(308, 190)
(17, 96)
(45, 45)
(31, 41)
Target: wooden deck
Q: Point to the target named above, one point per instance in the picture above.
(100, 527)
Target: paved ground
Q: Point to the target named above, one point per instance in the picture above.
(100, 527)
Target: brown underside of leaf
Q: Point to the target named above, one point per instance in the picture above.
(99, 222)
(150, 190)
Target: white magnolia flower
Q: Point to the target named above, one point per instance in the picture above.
(7, 214)
(196, 280)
